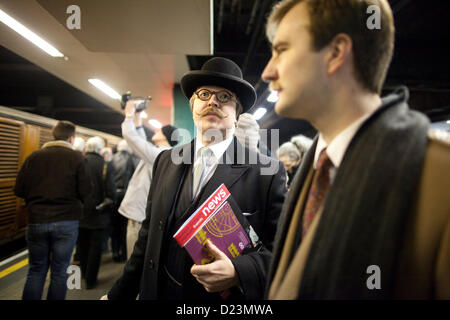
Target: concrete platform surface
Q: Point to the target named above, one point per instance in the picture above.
(12, 284)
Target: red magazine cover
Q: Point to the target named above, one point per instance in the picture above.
(214, 220)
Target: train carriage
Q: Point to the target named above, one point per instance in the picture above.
(21, 133)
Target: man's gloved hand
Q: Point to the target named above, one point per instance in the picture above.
(247, 131)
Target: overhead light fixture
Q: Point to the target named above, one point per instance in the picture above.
(29, 35)
(155, 123)
(105, 88)
(448, 121)
(273, 96)
(259, 113)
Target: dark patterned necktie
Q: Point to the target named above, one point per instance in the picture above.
(318, 191)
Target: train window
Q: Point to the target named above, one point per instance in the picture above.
(10, 151)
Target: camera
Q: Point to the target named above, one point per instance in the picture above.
(140, 103)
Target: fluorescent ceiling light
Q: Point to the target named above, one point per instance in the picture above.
(105, 88)
(273, 96)
(155, 123)
(29, 35)
(259, 113)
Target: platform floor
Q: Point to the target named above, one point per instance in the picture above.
(11, 285)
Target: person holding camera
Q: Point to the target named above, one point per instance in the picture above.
(134, 202)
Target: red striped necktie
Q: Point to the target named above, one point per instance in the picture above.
(318, 191)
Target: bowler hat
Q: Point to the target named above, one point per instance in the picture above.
(220, 72)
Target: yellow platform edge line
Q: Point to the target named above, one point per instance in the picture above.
(13, 268)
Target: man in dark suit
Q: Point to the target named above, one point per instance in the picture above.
(159, 268)
(367, 215)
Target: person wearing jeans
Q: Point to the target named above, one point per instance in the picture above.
(55, 183)
(57, 239)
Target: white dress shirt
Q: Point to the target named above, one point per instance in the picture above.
(218, 149)
(338, 146)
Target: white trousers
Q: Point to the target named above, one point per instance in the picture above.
(133, 228)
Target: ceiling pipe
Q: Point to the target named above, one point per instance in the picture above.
(251, 22)
(238, 14)
(233, 5)
(399, 5)
(257, 33)
(220, 19)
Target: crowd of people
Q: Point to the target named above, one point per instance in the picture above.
(365, 194)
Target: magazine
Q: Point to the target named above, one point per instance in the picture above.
(218, 219)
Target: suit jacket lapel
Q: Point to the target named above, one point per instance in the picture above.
(298, 182)
(175, 177)
(225, 174)
(288, 208)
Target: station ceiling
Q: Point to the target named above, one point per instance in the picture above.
(146, 46)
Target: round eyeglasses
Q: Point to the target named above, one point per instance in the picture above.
(222, 95)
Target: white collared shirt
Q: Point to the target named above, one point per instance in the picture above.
(338, 146)
(218, 149)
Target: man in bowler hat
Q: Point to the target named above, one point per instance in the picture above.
(159, 268)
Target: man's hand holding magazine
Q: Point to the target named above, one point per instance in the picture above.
(218, 275)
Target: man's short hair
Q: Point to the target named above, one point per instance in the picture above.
(63, 130)
(372, 48)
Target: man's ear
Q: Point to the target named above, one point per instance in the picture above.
(341, 48)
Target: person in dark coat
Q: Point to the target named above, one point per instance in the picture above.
(97, 211)
(124, 167)
(367, 215)
(159, 268)
(54, 182)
